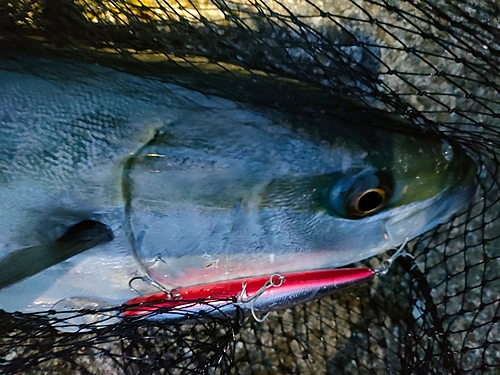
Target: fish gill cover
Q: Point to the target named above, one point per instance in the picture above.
(434, 65)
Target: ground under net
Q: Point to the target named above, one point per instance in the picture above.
(432, 64)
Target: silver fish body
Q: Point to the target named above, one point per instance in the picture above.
(196, 188)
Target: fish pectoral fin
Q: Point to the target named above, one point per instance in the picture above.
(87, 230)
(29, 261)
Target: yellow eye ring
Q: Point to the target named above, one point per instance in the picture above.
(369, 201)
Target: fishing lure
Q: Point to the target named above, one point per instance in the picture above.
(252, 295)
(261, 294)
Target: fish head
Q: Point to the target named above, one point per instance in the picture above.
(234, 201)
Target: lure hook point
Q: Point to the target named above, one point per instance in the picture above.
(271, 283)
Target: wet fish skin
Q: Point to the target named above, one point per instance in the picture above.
(196, 189)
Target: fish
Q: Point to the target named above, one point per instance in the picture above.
(198, 189)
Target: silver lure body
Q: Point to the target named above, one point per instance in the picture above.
(195, 188)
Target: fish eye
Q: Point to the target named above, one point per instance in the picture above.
(367, 202)
(361, 195)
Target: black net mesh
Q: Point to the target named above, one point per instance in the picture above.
(434, 64)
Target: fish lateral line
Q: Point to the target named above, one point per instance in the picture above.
(261, 294)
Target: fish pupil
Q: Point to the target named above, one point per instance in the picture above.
(370, 200)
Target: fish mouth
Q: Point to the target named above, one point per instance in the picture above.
(431, 212)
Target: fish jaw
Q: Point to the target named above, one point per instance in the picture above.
(430, 214)
(260, 294)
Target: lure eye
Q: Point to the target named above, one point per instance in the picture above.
(368, 202)
(361, 195)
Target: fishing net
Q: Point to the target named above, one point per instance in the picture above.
(432, 64)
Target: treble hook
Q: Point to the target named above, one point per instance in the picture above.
(148, 280)
(383, 269)
(251, 301)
